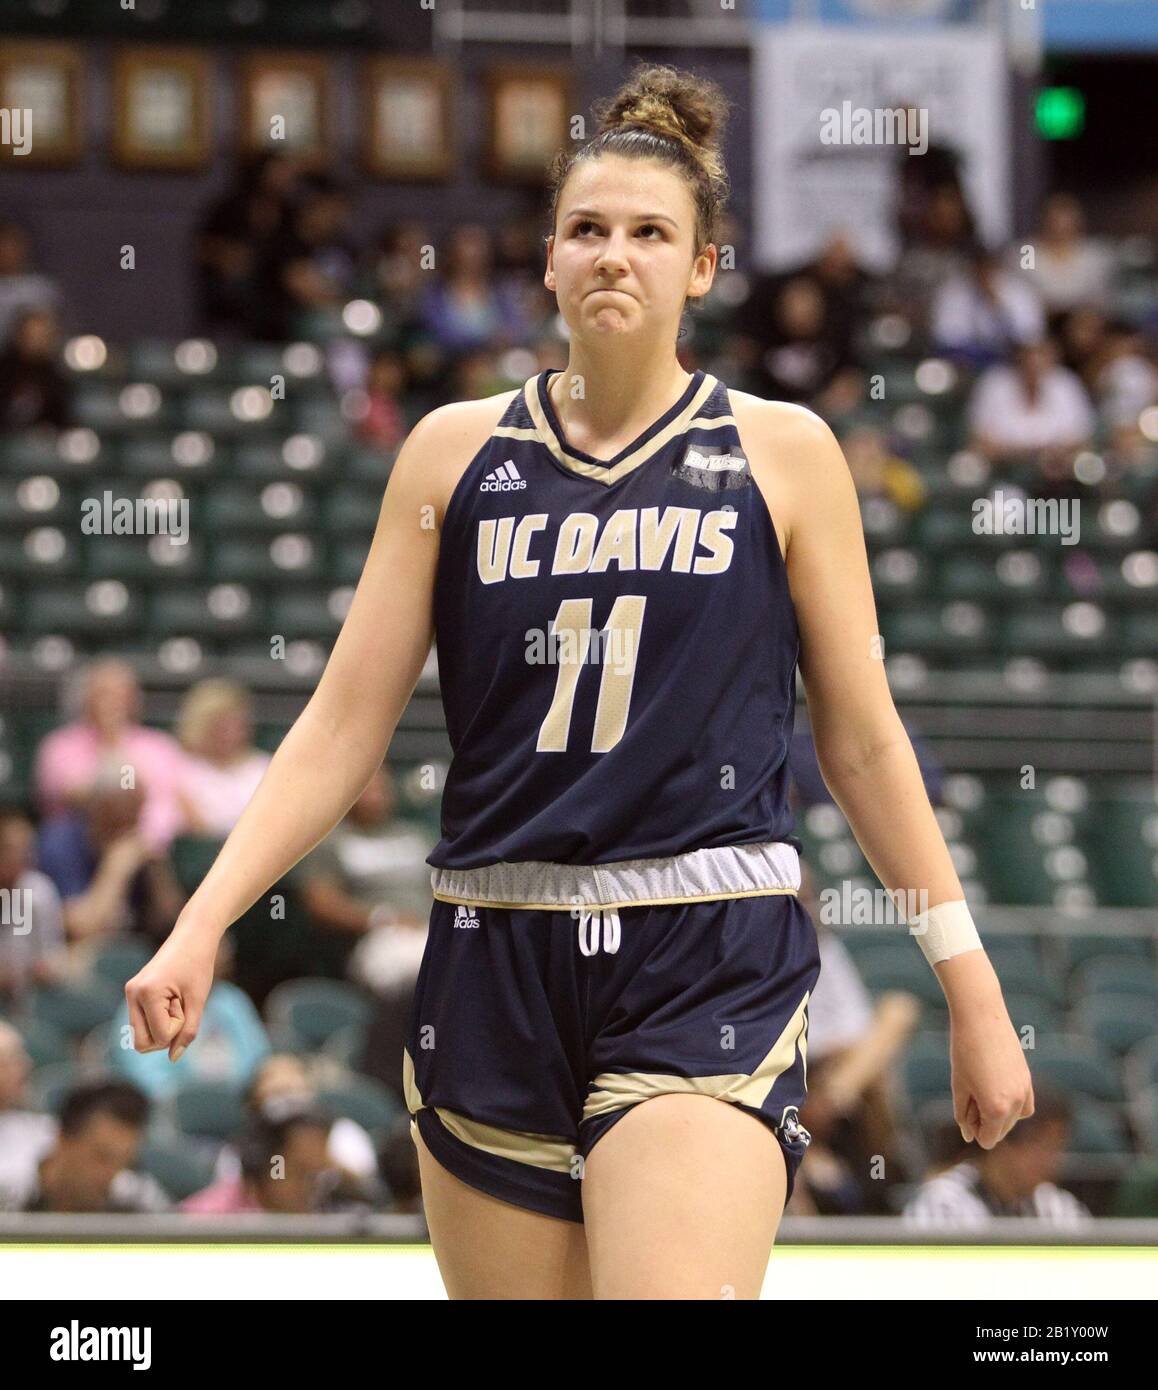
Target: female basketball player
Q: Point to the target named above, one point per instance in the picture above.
(622, 563)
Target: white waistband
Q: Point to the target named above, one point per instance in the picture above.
(729, 871)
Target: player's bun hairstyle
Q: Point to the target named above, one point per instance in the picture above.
(662, 113)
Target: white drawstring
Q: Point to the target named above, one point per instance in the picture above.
(598, 926)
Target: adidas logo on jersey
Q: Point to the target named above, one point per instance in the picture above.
(465, 917)
(505, 478)
(715, 472)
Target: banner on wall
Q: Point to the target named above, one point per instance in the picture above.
(1088, 26)
(837, 110)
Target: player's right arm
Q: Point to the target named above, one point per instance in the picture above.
(336, 743)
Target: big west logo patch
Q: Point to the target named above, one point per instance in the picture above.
(713, 472)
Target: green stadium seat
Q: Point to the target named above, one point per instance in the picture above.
(101, 609)
(116, 961)
(48, 1086)
(1055, 631)
(179, 1169)
(273, 560)
(46, 1044)
(302, 1014)
(364, 1100)
(900, 574)
(210, 1109)
(151, 559)
(276, 507)
(1025, 856)
(190, 458)
(947, 632)
(297, 616)
(347, 1045)
(347, 561)
(1123, 843)
(48, 551)
(1020, 968)
(1116, 1022)
(1030, 1010)
(75, 1010)
(900, 967)
(1076, 1066)
(352, 510)
(926, 1069)
(226, 610)
(1098, 1129)
(1074, 948)
(1115, 975)
(193, 857)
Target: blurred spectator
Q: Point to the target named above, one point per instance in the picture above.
(982, 315)
(920, 181)
(1081, 341)
(108, 877)
(398, 1163)
(34, 389)
(1034, 408)
(21, 288)
(878, 472)
(87, 1166)
(397, 275)
(308, 269)
(369, 879)
(283, 1077)
(105, 735)
(25, 1134)
(1068, 268)
(222, 768)
(1015, 1178)
(943, 243)
(33, 948)
(231, 1041)
(853, 1044)
(380, 420)
(1125, 381)
(798, 350)
(285, 1167)
(467, 307)
(234, 236)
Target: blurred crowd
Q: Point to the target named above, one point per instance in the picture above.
(100, 871)
(102, 857)
(1050, 367)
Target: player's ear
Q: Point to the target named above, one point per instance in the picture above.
(549, 273)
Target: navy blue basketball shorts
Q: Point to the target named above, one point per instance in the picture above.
(552, 998)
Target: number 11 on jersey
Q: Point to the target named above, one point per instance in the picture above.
(571, 627)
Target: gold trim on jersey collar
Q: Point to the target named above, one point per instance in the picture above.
(608, 475)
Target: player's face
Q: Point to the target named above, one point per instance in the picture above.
(621, 258)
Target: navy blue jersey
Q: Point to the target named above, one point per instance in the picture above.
(616, 642)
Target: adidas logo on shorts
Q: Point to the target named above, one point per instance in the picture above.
(465, 916)
(505, 478)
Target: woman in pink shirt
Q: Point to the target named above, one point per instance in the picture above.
(107, 732)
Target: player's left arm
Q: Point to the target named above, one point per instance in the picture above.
(866, 757)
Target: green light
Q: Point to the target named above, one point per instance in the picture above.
(1060, 113)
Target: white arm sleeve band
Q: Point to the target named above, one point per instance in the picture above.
(945, 930)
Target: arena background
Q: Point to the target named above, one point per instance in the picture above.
(245, 246)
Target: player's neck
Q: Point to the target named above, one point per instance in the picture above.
(609, 399)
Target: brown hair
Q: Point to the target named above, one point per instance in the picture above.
(662, 113)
